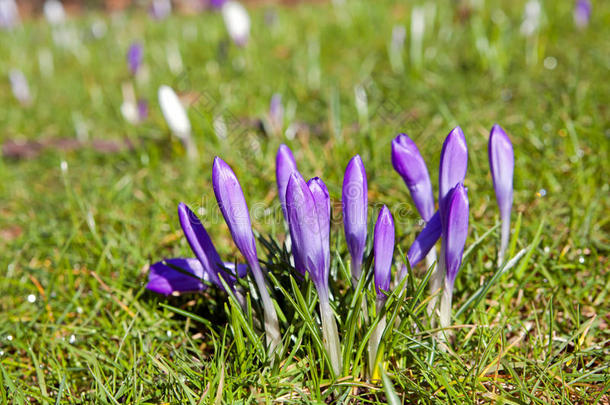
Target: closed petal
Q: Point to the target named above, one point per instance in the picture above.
(426, 240)
(355, 206)
(383, 247)
(322, 200)
(284, 166)
(502, 164)
(177, 275)
(456, 231)
(453, 165)
(409, 163)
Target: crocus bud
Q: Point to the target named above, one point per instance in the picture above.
(160, 9)
(502, 164)
(453, 164)
(426, 240)
(408, 162)
(284, 166)
(202, 246)
(322, 200)
(582, 13)
(306, 232)
(176, 118)
(177, 275)
(354, 201)
(455, 231)
(383, 248)
(134, 57)
(237, 21)
(232, 204)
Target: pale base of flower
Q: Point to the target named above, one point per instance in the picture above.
(330, 336)
(445, 311)
(505, 236)
(272, 326)
(375, 339)
(436, 282)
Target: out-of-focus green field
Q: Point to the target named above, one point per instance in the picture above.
(76, 324)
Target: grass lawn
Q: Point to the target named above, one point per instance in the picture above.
(80, 226)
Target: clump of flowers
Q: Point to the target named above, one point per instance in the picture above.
(307, 258)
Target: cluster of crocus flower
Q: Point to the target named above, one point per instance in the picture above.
(307, 210)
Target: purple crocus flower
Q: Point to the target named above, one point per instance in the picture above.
(455, 231)
(217, 3)
(408, 162)
(354, 201)
(453, 164)
(232, 204)
(426, 240)
(164, 278)
(383, 248)
(142, 110)
(308, 208)
(284, 166)
(582, 13)
(502, 164)
(135, 54)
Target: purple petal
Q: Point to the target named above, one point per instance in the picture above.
(456, 231)
(284, 166)
(217, 3)
(134, 57)
(582, 13)
(242, 269)
(164, 278)
(202, 245)
(502, 164)
(355, 201)
(452, 169)
(383, 247)
(408, 162)
(232, 204)
(426, 240)
(305, 230)
(322, 200)
(142, 109)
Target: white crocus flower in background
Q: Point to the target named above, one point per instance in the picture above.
(237, 22)
(9, 14)
(531, 18)
(19, 86)
(176, 118)
(54, 12)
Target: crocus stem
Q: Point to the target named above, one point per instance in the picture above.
(445, 311)
(189, 145)
(431, 258)
(272, 326)
(330, 334)
(505, 235)
(375, 339)
(436, 281)
(356, 272)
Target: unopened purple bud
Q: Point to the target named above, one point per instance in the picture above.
(426, 240)
(455, 231)
(582, 13)
(452, 169)
(284, 166)
(202, 246)
(355, 205)
(502, 164)
(177, 275)
(383, 248)
(142, 109)
(276, 111)
(319, 191)
(135, 54)
(232, 204)
(217, 3)
(408, 162)
(305, 230)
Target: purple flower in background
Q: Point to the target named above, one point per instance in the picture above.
(19, 86)
(276, 112)
(160, 9)
(582, 13)
(284, 166)
(502, 165)
(408, 162)
(455, 231)
(135, 53)
(355, 205)
(232, 204)
(237, 22)
(142, 110)
(9, 14)
(383, 248)
(217, 3)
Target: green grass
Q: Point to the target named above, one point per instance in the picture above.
(80, 241)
